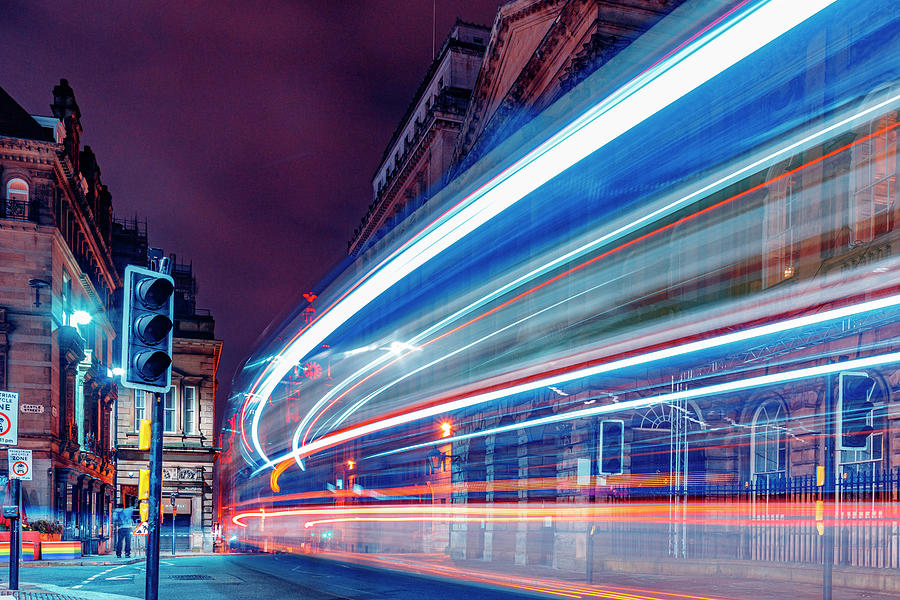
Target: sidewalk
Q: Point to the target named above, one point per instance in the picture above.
(55, 592)
(84, 561)
(111, 560)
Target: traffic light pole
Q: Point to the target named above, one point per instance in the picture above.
(155, 500)
(14, 529)
(592, 498)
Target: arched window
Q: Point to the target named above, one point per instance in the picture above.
(874, 179)
(17, 189)
(768, 445)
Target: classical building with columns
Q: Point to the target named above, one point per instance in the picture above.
(57, 289)
(419, 153)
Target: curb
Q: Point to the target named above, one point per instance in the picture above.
(81, 563)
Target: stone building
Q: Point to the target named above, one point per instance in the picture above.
(189, 448)
(421, 149)
(57, 290)
(825, 216)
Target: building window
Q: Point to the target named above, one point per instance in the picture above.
(874, 180)
(66, 297)
(169, 414)
(17, 189)
(16, 204)
(189, 404)
(781, 236)
(140, 408)
(768, 444)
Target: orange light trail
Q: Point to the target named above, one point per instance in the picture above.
(557, 278)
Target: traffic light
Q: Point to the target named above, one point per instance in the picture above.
(148, 310)
(854, 410)
(612, 445)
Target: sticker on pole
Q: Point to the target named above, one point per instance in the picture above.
(19, 463)
(9, 418)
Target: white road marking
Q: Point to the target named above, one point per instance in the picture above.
(95, 575)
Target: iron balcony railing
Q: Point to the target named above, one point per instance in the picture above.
(19, 210)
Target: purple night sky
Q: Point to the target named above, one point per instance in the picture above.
(246, 134)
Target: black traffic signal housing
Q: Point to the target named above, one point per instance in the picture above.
(147, 321)
(854, 410)
(612, 447)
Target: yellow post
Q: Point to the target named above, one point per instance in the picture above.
(144, 484)
(144, 435)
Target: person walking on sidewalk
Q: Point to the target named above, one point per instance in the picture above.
(122, 523)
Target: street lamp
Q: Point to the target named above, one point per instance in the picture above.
(435, 460)
(81, 317)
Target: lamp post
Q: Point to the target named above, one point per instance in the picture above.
(435, 460)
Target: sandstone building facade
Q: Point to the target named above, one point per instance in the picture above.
(57, 291)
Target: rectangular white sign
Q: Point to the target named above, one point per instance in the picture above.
(19, 463)
(32, 408)
(9, 418)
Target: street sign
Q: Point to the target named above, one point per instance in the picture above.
(9, 418)
(32, 408)
(19, 463)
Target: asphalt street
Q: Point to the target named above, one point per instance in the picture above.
(260, 576)
(238, 577)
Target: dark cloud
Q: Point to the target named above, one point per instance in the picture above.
(245, 133)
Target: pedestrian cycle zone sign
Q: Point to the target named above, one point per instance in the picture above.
(9, 418)
(19, 463)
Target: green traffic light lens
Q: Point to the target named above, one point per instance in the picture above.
(152, 364)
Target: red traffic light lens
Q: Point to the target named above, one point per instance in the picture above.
(154, 292)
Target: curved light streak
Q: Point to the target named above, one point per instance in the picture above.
(647, 94)
(379, 364)
(642, 359)
(731, 386)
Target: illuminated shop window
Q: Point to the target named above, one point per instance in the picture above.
(768, 444)
(874, 180)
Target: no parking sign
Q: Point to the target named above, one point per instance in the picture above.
(9, 418)
(19, 463)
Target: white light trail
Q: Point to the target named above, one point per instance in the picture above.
(647, 94)
(731, 386)
(769, 158)
(639, 360)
